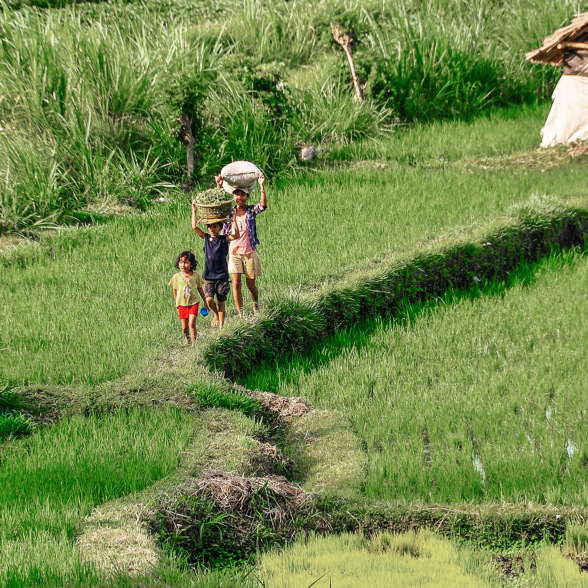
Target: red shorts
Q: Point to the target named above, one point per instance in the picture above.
(186, 311)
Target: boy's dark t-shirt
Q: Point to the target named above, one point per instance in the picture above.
(215, 258)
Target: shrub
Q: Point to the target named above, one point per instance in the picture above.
(209, 397)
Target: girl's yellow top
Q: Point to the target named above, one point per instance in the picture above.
(186, 290)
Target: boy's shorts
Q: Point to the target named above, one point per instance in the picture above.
(219, 287)
(245, 263)
(186, 311)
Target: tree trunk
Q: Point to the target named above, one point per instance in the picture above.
(190, 143)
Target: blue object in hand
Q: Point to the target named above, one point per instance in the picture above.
(204, 312)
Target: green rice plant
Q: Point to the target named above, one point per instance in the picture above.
(51, 480)
(501, 132)
(411, 559)
(209, 397)
(552, 569)
(576, 538)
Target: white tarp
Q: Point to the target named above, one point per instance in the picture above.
(568, 117)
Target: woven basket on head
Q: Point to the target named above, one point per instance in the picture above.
(217, 210)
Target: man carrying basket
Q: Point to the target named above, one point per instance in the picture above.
(243, 258)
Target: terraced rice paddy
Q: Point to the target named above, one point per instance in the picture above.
(83, 285)
(467, 399)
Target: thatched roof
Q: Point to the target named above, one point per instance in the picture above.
(577, 30)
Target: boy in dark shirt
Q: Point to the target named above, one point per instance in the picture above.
(216, 274)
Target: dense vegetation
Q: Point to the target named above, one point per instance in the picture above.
(92, 93)
(365, 212)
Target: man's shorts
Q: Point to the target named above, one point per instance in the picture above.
(245, 263)
(186, 311)
(219, 287)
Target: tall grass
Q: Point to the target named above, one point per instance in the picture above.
(77, 116)
(92, 306)
(50, 481)
(470, 400)
(92, 92)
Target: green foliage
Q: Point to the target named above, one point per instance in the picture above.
(92, 91)
(206, 534)
(51, 480)
(9, 400)
(14, 425)
(553, 569)
(408, 559)
(12, 422)
(209, 397)
(577, 538)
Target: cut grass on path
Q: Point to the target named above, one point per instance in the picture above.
(475, 400)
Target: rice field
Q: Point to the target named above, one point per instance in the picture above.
(50, 481)
(410, 559)
(347, 561)
(92, 304)
(465, 399)
(475, 398)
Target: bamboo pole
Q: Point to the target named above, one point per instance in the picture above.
(346, 41)
(189, 142)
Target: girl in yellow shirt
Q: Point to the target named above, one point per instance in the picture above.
(187, 284)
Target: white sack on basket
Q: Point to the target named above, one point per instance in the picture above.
(240, 174)
(568, 117)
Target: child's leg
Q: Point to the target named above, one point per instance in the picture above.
(253, 291)
(221, 314)
(186, 328)
(237, 292)
(212, 305)
(192, 325)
